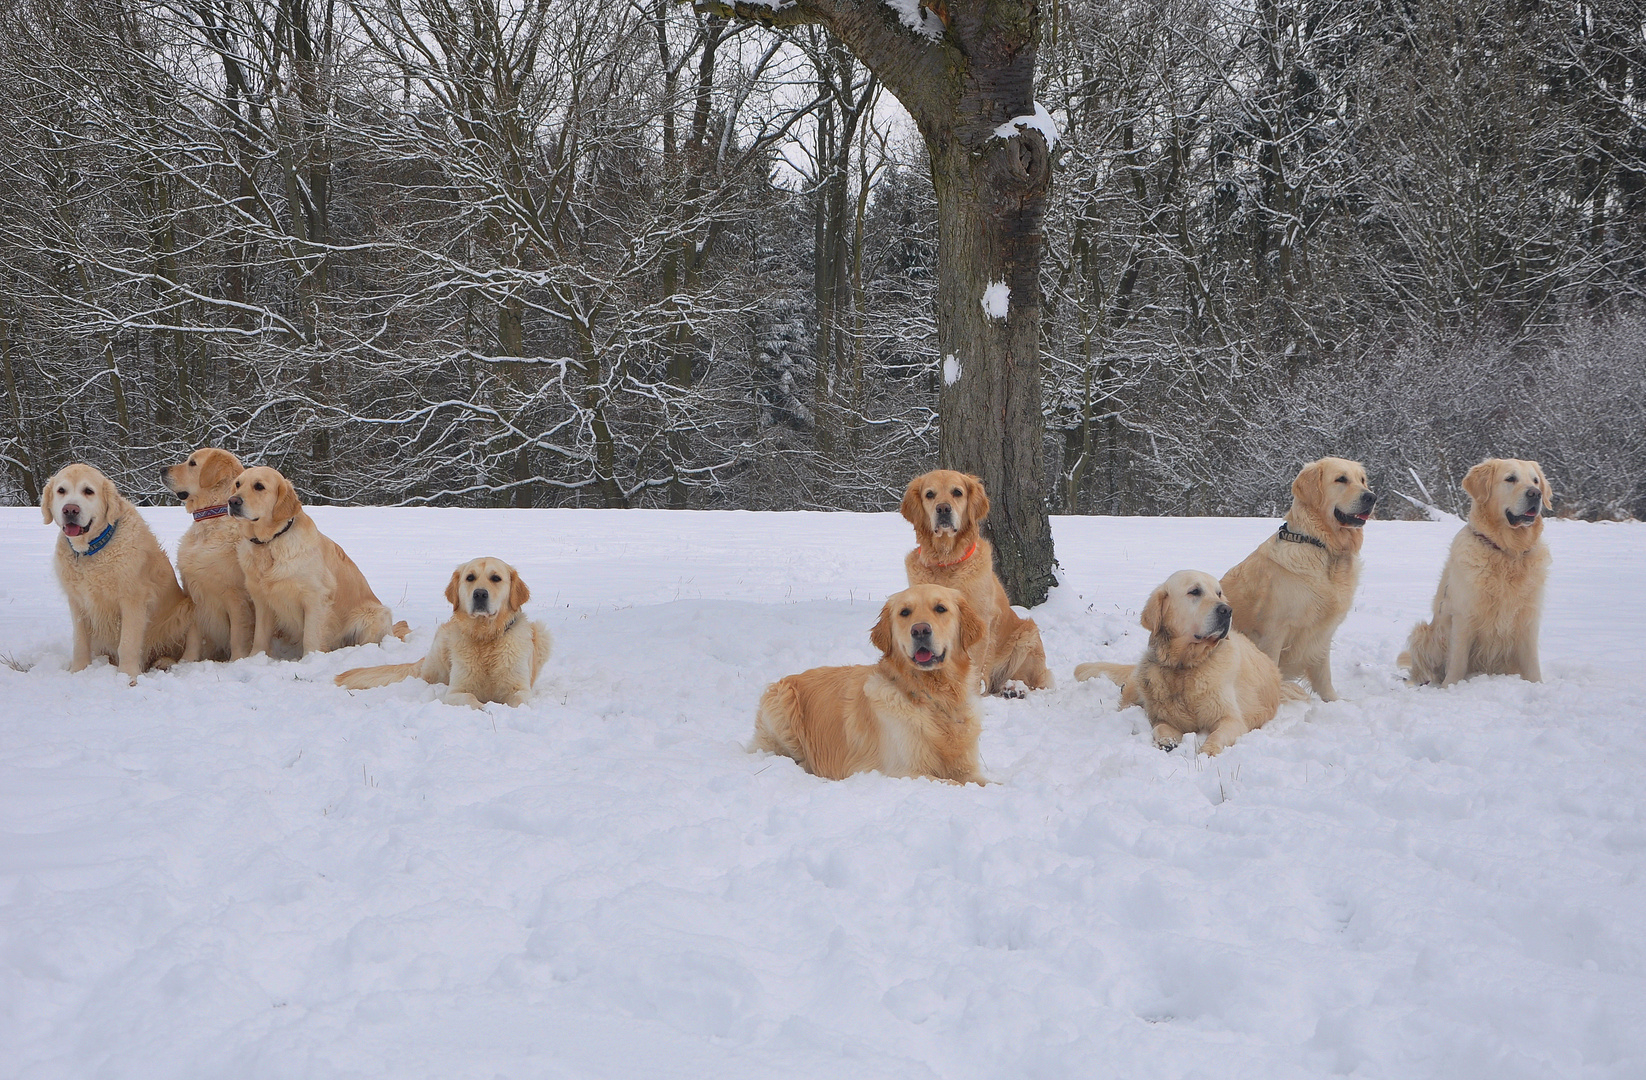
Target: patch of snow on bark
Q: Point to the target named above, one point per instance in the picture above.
(917, 18)
(951, 370)
(996, 299)
(1040, 120)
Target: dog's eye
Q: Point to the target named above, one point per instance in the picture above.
(956, 493)
(1195, 591)
(940, 609)
(62, 491)
(1343, 479)
(86, 491)
(191, 463)
(469, 578)
(257, 486)
(931, 494)
(904, 614)
(237, 485)
(495, 579)
(1509, 480)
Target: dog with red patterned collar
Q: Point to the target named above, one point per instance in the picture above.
(947, 509)
(224, 620)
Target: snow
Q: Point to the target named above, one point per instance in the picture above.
(996, 299)
(241, 870)
(918, 18)
(951, 369)
(1040, 120)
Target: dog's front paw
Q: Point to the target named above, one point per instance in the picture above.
(1166, 746)
(1016, 688)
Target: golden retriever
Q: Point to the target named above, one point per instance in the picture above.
(912, 714)
(947, 509)
(207, 559)
(1290, 595)
(1198, 673)
(302, 584)
(123, 597)
(487, 650)
(1490, 601)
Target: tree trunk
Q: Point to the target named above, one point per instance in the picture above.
(963, 73)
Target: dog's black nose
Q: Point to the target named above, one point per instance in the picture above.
(921, 630)
(236, 502)
(482, 597)
(1368, 500)
(1223, 611)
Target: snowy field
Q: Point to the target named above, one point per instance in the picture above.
(241, 871)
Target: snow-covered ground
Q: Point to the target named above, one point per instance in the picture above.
(243, 871)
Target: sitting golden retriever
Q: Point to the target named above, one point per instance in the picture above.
(123, 597)
(1290, 595)
(487, 650)
(912, 714)
(302, 585)
(207, 559)
(946, 509)
(1490, 600)
(1198, 673)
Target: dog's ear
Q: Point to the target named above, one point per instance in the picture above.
(451, 588)
(220, 467)
(1154, 612)
(286, 504)
(1479, 481)
(112, 499)
(45, 499)
(1310, 486)
(972, 627)
(1548, 492)
(977, 501)
(881, 635)
(518, 593)
(910, 507)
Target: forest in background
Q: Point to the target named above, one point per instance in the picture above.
(460, 252)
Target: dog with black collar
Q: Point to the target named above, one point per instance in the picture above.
(207, 559)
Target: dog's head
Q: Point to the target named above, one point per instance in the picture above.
(486, 589)
(1509, 497)
(263, 501)
(205, 479)
(928, 628)
(945, 503)
(1335, 494)
(1187, 616)
(82, 502)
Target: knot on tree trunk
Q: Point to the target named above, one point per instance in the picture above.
(1019, 174)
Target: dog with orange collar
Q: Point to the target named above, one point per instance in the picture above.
(947, 509)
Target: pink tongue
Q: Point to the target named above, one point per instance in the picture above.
(921, 656)
(73, 530)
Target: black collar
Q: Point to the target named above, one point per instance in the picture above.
(277, 535)
(1297, 537)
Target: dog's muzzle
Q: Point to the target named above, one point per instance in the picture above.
(924, 656)
(480, 602)
(237, 507)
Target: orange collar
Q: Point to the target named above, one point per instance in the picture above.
(940, 565)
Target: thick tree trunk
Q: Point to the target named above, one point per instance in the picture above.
(963, 73)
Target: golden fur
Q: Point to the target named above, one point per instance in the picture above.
(1289, 597)
(947, 509)
(302, 584)
(487, 650)
(900, 717)
(1490, 600)
(124, 599)
(207, 559)
(1198, 674)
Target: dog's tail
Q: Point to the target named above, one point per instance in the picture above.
(1424, 657)
(400, 629)
(1115, 673)
(1292, 691)
(367, 678)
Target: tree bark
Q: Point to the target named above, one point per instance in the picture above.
(970, 72)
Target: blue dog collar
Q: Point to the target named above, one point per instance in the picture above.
(96, 545)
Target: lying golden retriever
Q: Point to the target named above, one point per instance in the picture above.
(206, 558)
(946, 509)
(912, 714)
(1198, 673)
(302, 585)
(123, 597)
(487, 650)
(1490, 601)
(1290, 595)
